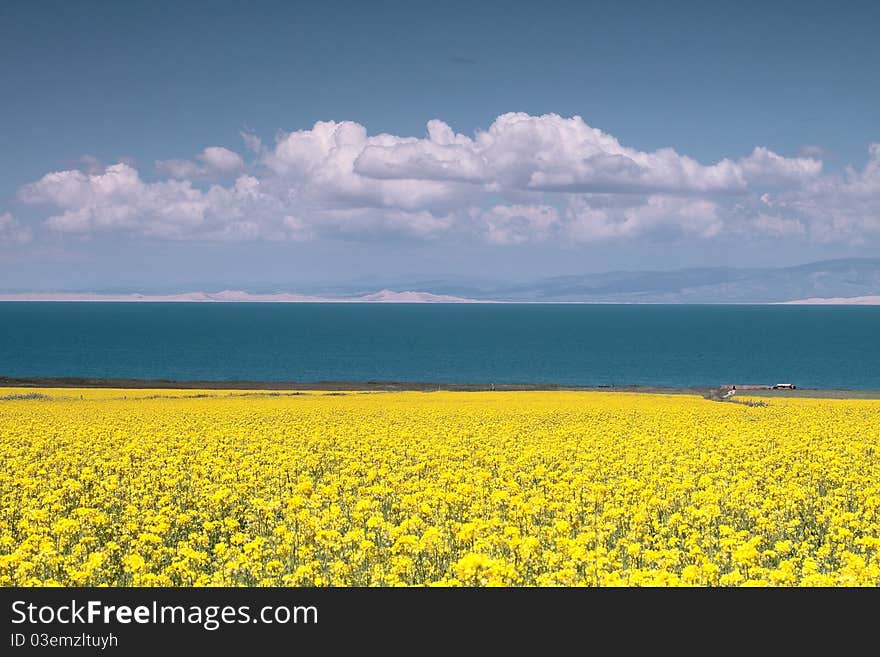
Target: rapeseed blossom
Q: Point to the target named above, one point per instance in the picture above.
(202, 488)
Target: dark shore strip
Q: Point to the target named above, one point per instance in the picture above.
(397, 386)
(388, 386)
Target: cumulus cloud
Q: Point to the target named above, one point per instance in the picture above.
(180, 169)
(518, 224)
(765, 168)
(222, 161)
(119, 200)
(214, 162)
(834, 208)
(664, 217)
(552, 153)
(12, 233)
(523, 179)
(318, 167)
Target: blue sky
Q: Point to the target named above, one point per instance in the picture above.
(122, 160)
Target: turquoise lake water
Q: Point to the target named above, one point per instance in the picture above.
(658, 345)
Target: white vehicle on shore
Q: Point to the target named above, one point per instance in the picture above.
(784, 386)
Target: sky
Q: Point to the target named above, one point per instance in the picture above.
(284, 145)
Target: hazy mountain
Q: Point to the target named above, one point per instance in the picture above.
(236, 296)
(829, 281)
(830, 278)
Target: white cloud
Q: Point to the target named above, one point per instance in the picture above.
(765, 168)
(180, 169)
(222, 161)
(835, 208)
(552, 153)
(317, 168)
(518, 224)
(251, 141)
(371, 224)
(443, 156)
(664, 217)
(523, 179)
(216, 162)
(12, 233)
(118, 199)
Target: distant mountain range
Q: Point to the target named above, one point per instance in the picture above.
(383, 296)
(820, 282)
(855, 281)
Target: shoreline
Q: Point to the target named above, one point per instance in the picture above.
(860, 302)
(412, 386)
(387, 386)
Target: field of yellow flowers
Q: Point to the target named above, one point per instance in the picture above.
(191, 488)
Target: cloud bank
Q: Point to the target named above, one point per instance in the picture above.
(524, 179)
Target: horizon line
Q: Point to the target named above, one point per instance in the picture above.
(385, 296)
